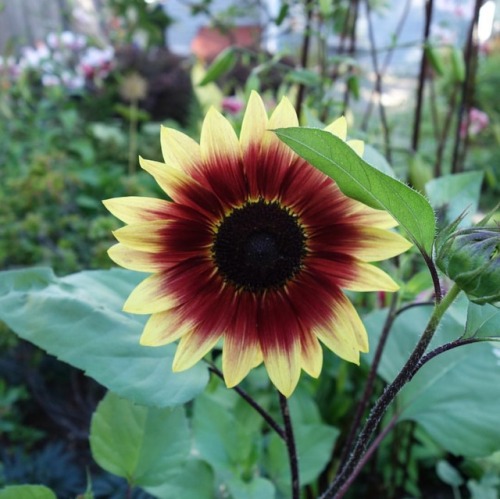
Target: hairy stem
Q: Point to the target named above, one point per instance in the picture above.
(438, 293)
(367, 456)
(290, 446)
(389, 394)
(365, 398)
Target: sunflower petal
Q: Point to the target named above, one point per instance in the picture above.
(255, 123)
(150, 297)
(147, 236)
(358, 146)
(364, 215)
(218, 139)
(192, 348)
(135, 209)
(182, 188)
(338, 128)
(370, 278)
(179, 150)
(312, 355)
(284, 116)
(169, 178)
(379, 244)
(132, 259)
(344, 334)
(283, 367)
(239, 356)
(163, 328)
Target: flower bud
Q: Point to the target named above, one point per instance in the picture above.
(471, 258)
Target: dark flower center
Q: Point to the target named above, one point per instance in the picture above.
(259, 246)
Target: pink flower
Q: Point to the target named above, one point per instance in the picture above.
(477, 121)
(232, 104)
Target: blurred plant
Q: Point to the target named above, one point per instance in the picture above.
(66, 59)
(53, 466)
(12, 428)
(140, 23)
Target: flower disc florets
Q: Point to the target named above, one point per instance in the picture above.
(259, 246)
(255, 248)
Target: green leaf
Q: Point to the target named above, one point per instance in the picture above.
(448, 474)
(457, 65)
(435, 59)
(419, 172)
(454, 396)
(227, 434)
(257, 488)
(26, 492)
(223, 63)
(456, 193)
(353, 86)
(304, 77)
(358, 180)
(482, 321)
(183, 486)
(79, 319)
(216, 429)
(145, 445)
(281, 14)
(377, 160)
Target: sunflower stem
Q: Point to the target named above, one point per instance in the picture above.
(343, 479)
(368, 455)
(438, 293)
(253, 403)
(290, 446)
(370, 382)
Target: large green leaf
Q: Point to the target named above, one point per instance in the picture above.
(147, 446)
(183, 486)
(455, 397)
(216, 429)
(256, 488)
(227, 436)
(78, 318)
(358, 180)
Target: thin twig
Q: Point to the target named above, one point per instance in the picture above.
(438, 168)
(378, 84)
(352, 21)
(290, 446)
(421, 77)
(467, 91)
(387, 60)
(406, 307)
(304, 56)
(453, 344)
(248, 398)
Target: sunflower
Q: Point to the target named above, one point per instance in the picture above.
(254, 247)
